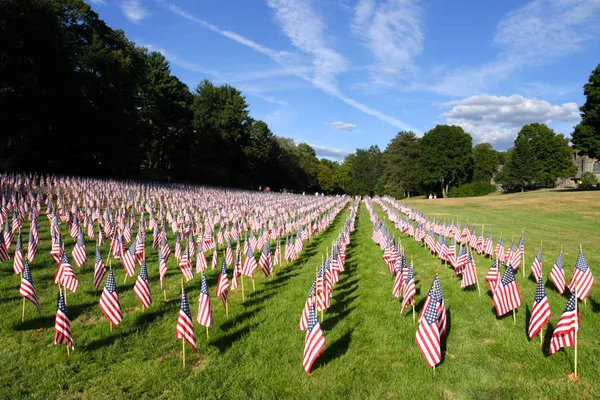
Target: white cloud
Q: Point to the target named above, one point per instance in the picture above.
(538, 33)
(99, 2)
(324, 64)
(497, 119)
(330, 152)
(341, 126)
(392, 32)
(133, 10)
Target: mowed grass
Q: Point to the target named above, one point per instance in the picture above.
(257, 352)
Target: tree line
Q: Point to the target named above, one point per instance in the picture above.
(78, 97)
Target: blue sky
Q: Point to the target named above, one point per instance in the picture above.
(345, 74)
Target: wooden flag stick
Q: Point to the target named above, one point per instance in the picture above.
(164, 294)
(23, 311)
(242, 277)
(413, 309)
(207, 332)
(576, 330)
(541, 336)
(253, 287)
(227, 308)
(65, 291)
(68, 354)
(523, 257)
(514, 316)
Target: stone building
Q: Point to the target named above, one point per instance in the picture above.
(584, 164)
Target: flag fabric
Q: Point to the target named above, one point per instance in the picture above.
(567, 327)
(435, 295)
(540, 312)
(536, 267)
(129, 260)
(162, 268)
(249, 265)
(314, 341)
(506, 296)
(492, 277)
(223, 282)
(142, 287)
(409, 289)
(27, 288)
(557, 274)
(62, 324)
(307, 305)
(3, 249)
(185, 266)
(109, 301)
(499, 251)
(99, 269)
(237, 270)
(205, 316)
(265, 262)
(185, 327)
(65, 275)
(582, 277)
(469, 276)
(428, 334)
(33, 242)
(18, 257)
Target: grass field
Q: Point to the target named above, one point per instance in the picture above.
(370, 352)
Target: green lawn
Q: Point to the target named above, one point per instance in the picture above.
(370, 352)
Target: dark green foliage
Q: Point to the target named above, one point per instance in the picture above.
(472, 189)
(540, 157)
(363, 172)
(586, 137)
(400, 160)
(446, 157)
(588, 180)
(486, 162)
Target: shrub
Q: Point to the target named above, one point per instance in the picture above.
(472, 189)
(588, 180)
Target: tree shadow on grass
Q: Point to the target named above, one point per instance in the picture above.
(225, 342)
(444, 340)
(595, 304)
(334, 350)
(239, 319)
(73, 311)
(9, 299)
(258, 300)
(547, 338)
(330, 322)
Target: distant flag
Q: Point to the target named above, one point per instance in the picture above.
(201, 264)
(99, 269)
(185, 266)
(18, 257)
(469, 276)
(228, 253)
(265, 261)
(79, 254)
(109, 301)
(237, 270)
(314, 341)
(492, 276)
(307, 305)
(536, 267)
(128, 260)
(223, 282)
(27, 288)
(162, 268)
(205, 317)
(517, 256)
(215, 258)
(499, 251)
(62, 324)
(409, 289)
(65, 275)
(249, 265)
(540, 312)
(185, 327)
(33, 242)
(142, 287)
(557, 274)
(567, 327)
(582, 277)
(3, 248)
(506, 296)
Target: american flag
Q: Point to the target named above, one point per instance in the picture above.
(79, 254)
(515, 261)
(109, 301)
(557, 274)
(65, 275)
(249, 264)
(509, 253)
(398, 282)
(499, 251)
(237, 270)
(582, 278)
(215, 259)
(487, 247)
(142, 287)
(492, 276)
(185, 327)
(567, 327)
(129, 260)
(307, 305)
(205, 317)
(277, 255)
(540, 312)
(33, 242)
(177, 246)
(99, 269)
(428, 334)
(27, 288)
(18, 257)
(435, 295)
(164, 248)
(265, 262)
(201, 264)
(229, 253)
(536, 267)
(3, 250)
(62, 324)
(185, 266)
(469, 276)
(314, 341)
(223, 282)
(8, 235)
(409, 289)
(506, 296)
(162, 268)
